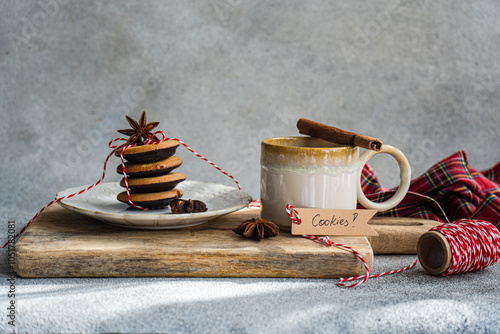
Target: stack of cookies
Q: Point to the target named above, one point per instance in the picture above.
(149, 174)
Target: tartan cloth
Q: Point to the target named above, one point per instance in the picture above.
(447, 191)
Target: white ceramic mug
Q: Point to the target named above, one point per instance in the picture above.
(310, 172)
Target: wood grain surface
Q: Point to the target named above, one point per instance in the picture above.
(398, 235)
(62, 243)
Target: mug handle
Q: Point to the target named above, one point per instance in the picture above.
(404, 175)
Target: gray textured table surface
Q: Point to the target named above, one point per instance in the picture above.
(411, 302)
(223, 75)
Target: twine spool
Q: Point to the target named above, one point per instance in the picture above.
(462, 246)
(434, 252)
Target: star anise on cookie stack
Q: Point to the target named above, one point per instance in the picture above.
(140, 132)
(257, 229)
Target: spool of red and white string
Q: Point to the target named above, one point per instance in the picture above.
(463, 246)
(454, 248)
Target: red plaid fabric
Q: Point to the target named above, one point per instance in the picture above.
(449, 190)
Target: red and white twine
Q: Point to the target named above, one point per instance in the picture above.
(123, 147)
(294, 216)
(254, 204)
(475, 245)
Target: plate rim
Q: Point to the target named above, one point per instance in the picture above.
(123, 216)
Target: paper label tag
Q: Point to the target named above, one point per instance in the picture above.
(334, 222)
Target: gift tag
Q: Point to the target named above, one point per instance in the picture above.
(334, 222)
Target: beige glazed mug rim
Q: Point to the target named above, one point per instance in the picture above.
(297, 152)
(301, 143)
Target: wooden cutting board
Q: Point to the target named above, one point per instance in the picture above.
(398, 235)
(62, 243)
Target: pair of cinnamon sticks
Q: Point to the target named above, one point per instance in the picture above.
(336, 135)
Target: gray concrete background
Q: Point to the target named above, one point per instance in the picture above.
(224, 74)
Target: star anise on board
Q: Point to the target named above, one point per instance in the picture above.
(140, 131)
(257, 229)
(187, 206)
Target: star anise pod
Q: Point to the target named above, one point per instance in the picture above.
(187, 206)
(257, 229)
(140, 131)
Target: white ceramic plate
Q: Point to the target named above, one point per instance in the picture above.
(101, 203)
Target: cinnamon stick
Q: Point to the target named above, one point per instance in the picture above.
(336, 135)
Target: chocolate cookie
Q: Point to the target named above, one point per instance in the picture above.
(149, 169)
(149, 152)
(151, 200)
(155, 183)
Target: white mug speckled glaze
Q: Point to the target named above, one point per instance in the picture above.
(310, 172)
